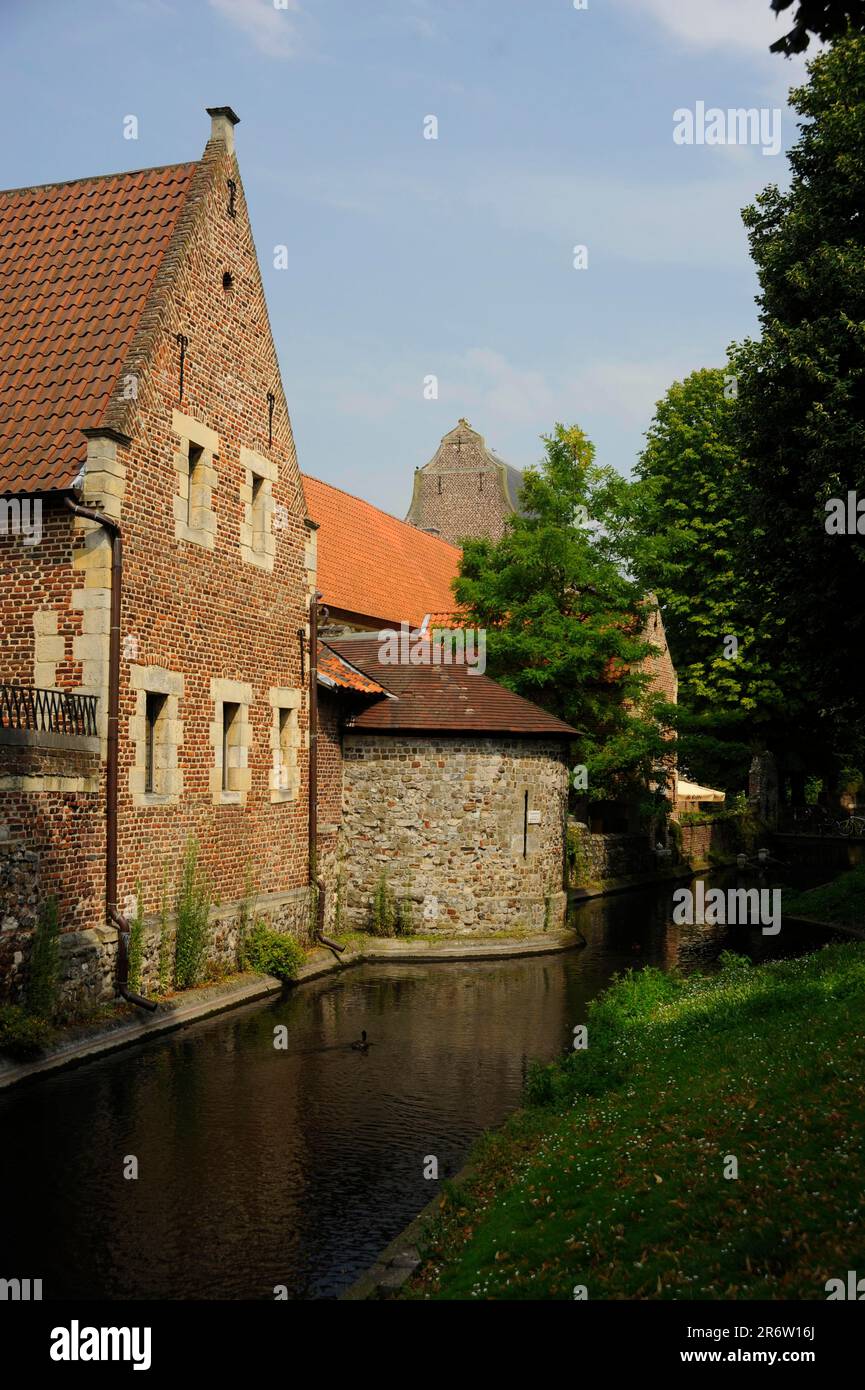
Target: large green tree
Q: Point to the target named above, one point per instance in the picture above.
(827, 19)
(564, 624)
(801, 415)
(679, 526)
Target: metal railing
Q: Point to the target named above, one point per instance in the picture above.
(48, 711)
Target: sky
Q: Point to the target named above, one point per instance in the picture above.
(453, 258)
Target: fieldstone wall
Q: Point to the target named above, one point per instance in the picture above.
(444, 819)
(89, 958)
(19, 899)
(597, 859)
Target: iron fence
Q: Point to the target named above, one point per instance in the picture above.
(48, 711)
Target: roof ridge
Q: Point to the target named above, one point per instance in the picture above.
(97, 178)
(362, 500)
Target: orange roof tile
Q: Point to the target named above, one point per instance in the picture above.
(373, 565)
(78, 261)
(335, 670)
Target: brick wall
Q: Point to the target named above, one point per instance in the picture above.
(443, 818)
(461, 492)
(206, 609)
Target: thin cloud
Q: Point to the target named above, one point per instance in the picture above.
(271, 30)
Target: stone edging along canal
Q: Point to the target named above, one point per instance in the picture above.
(208, 1000)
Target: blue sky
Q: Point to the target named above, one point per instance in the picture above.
(453, 257)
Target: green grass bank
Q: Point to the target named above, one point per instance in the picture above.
(614, 1175)
(842, 900)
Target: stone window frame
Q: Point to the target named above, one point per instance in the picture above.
(199, 503)
(156, 680)
(229, 692)
(284, 776)
(257, 538)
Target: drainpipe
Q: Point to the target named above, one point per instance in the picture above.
(314, 877)
(113, 529)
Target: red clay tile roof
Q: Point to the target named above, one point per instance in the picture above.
(78, 261)
(333, 670)
(373, 565)
(441, 699)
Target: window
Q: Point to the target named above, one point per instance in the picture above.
(154, 710)
(287, 743)
(284, 743)
(196, 454)
(230, 730)
(259, 514)
(231, 741)
(257, 539)
(195, 463)
(156, 734)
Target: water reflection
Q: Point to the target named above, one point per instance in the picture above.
(261, 1167)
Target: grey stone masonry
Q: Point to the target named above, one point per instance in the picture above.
(470, 830)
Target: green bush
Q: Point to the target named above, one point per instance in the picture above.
(383, 909)
(41, 993)
(274, 953)
(136, 943)
(164, 940)
(21, 1035)
(403, 923)
(244, 918)
(194, 902)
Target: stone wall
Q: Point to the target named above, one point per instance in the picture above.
(611, 860)
(19, 902)
(443, 818)
(596, 860)
(51, 801)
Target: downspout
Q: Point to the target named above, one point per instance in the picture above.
(111, 765)
(315, 879)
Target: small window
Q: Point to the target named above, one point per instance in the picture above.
(153, 712)
(195, 456)
(259, 514)
(287, 745)
(230, 743)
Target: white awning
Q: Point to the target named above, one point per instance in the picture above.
(692, 791)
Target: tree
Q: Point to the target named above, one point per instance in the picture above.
(801, 415)
(564, 624)
(828, 19)
(679, 527)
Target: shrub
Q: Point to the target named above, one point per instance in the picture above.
(403, 924)
(41, 994)
(274, 953)
(164, 940)
(21, 1035)
(194, 902)
(136, 943)
(383, 909)
(244, 917)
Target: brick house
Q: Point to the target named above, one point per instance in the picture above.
(164, 611)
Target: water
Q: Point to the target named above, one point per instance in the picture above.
(260, 1167)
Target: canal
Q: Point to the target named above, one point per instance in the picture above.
(259, 1167)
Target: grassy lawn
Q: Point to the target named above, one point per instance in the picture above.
(613, 1176)
(842, 900)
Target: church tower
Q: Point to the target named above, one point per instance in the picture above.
(464, 491)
